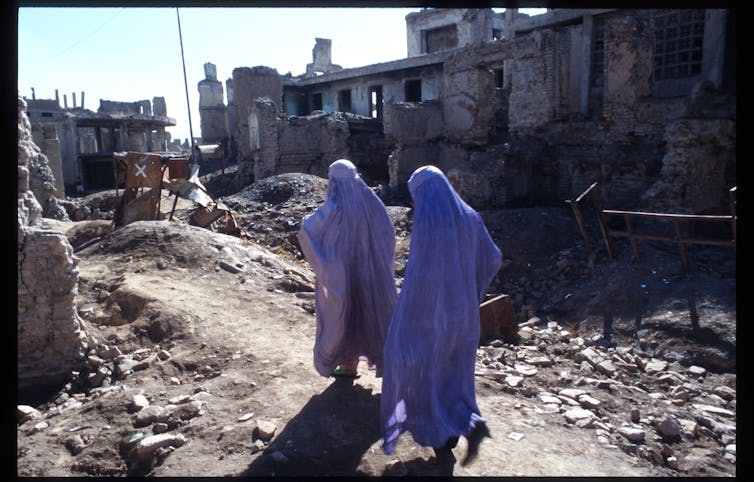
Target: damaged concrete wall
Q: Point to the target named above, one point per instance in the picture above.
(248, 85)
(417, 129)
(39, 178)
(311, 143)
(263, 135)
(698, 168)
(472, 25)
(322, 57)
(532, 100)
(45, 136)
(212, 111)
(51, 338)
(468, 101)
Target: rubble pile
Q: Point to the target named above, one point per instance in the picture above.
(632, 400)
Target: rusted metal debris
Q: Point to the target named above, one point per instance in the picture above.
(498, 320)
(145, 175)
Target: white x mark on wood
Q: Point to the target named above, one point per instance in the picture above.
(140, 170)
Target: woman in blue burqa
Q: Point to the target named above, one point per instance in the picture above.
(428, 381)
(350, 244)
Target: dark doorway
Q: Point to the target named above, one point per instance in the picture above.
(316, 102)
(344, 100)
(413, 90)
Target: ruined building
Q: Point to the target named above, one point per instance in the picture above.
(515, 109)
(51, 338)
(79, 143)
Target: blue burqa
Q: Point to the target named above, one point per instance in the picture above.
(430, 352)
(350, 244)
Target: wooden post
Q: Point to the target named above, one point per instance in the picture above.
(580, 221)
(597, 201)
(630, 230)
(732, 197)
(682, 248)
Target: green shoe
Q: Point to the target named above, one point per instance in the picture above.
(341, 373)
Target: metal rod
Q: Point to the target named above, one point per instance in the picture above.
(185, 81)
(688, 217)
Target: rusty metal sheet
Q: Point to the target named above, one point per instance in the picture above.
(143, 208)
(177, 169)
(144, 170)
(498, 320)
(207, 215)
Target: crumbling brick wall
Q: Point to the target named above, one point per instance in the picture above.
(311, 143)
(51, 339)
(38, 177)
(248, 85)
(696, 169)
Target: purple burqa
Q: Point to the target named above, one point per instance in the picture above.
(350, 244)
(430, 352)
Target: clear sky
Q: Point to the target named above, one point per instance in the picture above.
(129, 54)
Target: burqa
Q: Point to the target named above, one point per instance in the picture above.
(350, 244)
(430, 352)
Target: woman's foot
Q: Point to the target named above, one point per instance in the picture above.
(345, 372)
(444, 454)
(474, 438)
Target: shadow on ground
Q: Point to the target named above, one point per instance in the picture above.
(327, 438)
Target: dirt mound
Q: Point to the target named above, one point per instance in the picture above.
(283, 189)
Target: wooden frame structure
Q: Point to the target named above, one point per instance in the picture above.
(595, 196)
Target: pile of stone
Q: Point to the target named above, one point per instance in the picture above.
(635, 401)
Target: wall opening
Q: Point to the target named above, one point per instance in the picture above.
(344, 100)
(679, 38)
(499, 77)
(375, 102)
(413, 90)
(316, 102)
(437, 39)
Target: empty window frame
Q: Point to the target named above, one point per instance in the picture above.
(437, 39)
(598, 52)
(678, 43)
(316, 102)
(413, 90)
(375, 102)
(499, 78)
(497, 34)
(344, 100)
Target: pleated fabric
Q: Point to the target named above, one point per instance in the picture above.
(349, 242)
(428, 381)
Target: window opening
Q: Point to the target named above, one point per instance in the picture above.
(375, 102)
(413, 90)
(498, 77)
(437, 39)
(344, 100)
(679, 38)
(316, 102)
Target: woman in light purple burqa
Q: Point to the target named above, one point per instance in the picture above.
(350, 244)
(430, 352)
